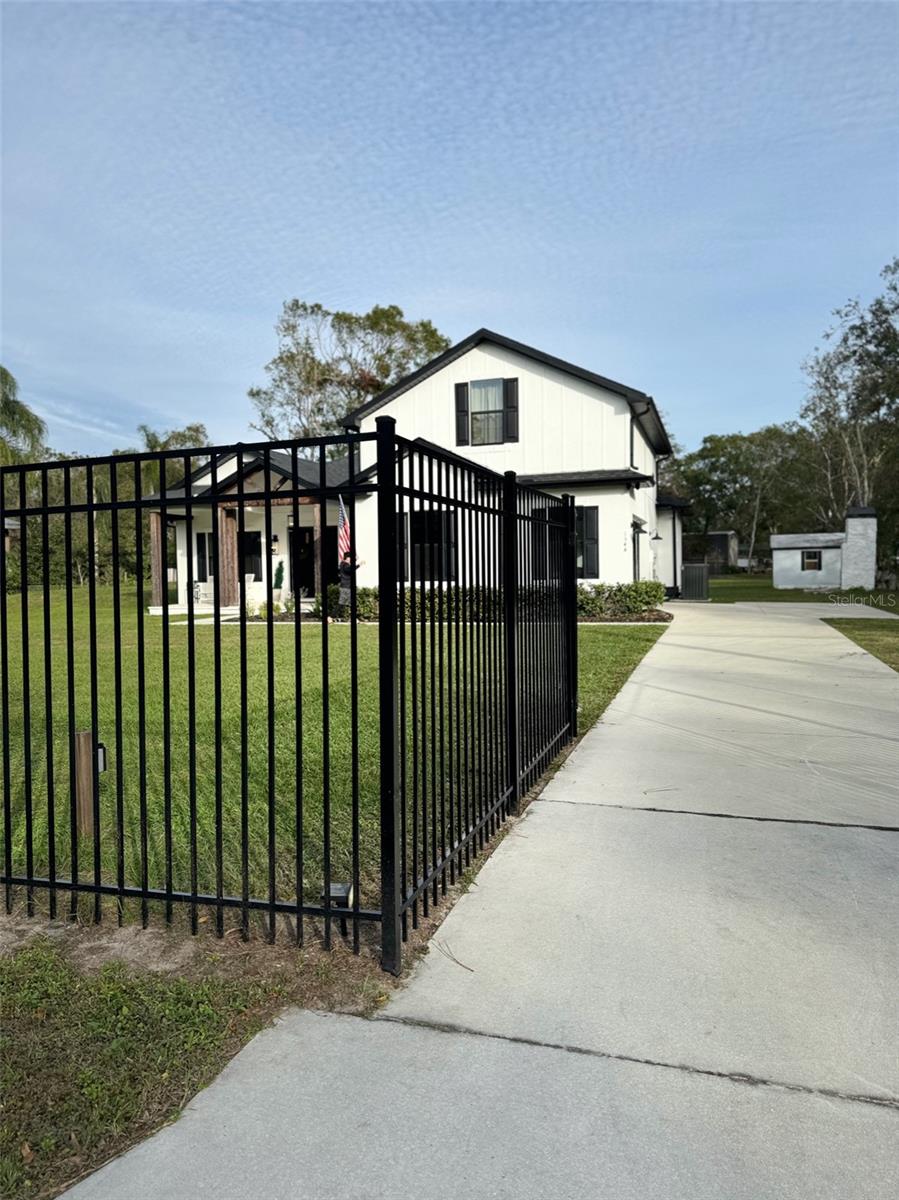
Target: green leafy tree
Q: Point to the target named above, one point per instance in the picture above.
(329, 363)
(738, 480)
(22, 431)
(852, 412)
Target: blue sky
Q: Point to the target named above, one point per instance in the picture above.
(674, 195)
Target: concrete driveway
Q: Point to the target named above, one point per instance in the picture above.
(678, 976)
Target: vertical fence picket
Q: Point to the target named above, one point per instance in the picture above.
(117, 690)
(4, 701)
(293, 551)
(267, 566)
(218, 517)
(90, 500)
(141, 694)
(391, 929)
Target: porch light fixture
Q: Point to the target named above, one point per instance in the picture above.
(274, 548)
(656, 537)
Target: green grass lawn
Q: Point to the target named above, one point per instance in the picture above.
(731, 589)
(880, 638)
(144, 784)
(91, 1061)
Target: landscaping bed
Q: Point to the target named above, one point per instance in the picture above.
(652, 616)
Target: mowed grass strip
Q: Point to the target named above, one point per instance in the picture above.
(607, 655)
(878, 637)
(744, 589)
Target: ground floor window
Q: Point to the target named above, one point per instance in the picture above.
(811, 560)
(586, 524)
(251, 554)
(430, 539)
(204, 557)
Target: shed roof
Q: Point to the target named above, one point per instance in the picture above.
(806, 541)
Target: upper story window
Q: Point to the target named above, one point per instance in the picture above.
(811, 560)
(486, 412)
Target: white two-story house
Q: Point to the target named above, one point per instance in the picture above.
(504, 405)
(561, 428)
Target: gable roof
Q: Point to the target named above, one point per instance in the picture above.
(642, 406)
(337, 472)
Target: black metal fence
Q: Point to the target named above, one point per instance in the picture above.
(188, 721)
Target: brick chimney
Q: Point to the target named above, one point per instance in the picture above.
(859, 560)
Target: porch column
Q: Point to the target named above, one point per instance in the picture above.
(317, 546)
(229, 590)
(158, 560)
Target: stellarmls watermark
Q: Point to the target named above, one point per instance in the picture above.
(869, 600)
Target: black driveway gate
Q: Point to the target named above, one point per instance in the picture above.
(183, 726)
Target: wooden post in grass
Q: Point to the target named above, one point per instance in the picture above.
(85, 765)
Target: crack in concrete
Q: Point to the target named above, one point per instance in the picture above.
(891, 1102)
(692, 812)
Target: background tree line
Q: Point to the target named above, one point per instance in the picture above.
(842, 450)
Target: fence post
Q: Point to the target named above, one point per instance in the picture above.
(569, 593)
(391, 944)
(510, 633)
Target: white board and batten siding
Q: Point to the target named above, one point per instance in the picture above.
(565, 424)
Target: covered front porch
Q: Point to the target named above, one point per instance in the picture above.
(299, 557)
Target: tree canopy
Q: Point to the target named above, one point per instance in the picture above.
(842, 450)
(329, 363)
(22, 431)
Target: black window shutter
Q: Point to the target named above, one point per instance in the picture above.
(591, 542)
(402, 546)
(462, 414)
(510, 404)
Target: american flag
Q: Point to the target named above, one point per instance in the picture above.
(343, 531)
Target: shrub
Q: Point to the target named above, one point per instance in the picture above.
(366, 604)
(599, 601)
(278, 581)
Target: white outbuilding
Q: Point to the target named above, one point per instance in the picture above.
(827, 561)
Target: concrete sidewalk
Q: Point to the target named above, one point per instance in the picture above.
(676, 978)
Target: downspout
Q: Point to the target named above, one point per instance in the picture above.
(674, 550)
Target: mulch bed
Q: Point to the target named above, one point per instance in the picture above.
(652, 616)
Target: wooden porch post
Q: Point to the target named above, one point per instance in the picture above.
(229, 590)
(317, 546)
(158, 559)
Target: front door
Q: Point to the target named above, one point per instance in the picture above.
(302, 557)
(302, 560)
